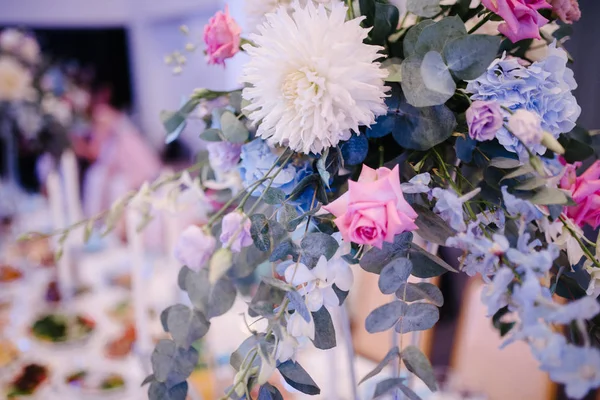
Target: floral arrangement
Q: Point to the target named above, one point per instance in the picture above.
(358, 129)
(38, 100)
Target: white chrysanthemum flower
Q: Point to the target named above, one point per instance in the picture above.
(311, 78)
(256, 10)
(15, 80)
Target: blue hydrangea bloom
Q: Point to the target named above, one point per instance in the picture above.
(518, 207)
(544, 87)
(257, 158)
(579, 370)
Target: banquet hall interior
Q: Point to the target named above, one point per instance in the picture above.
(113, 67)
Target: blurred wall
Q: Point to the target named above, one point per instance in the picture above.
(153, 32)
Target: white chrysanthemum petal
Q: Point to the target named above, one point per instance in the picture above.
(312, 80)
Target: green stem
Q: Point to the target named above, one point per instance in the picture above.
(350, 9)
(257, 202)
(587, 252)
(481, 23)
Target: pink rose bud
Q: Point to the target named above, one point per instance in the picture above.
(585, 191)
(194, 247)
(232, 227)
(222, 37)
(567, 10)
(521, 17)
(374, 209)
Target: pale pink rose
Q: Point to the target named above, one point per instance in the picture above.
(567, 10)
(521, 17)
(585, 191)
(222, 37)
(570, 176)
(194, 247)
(374, 209)
(231, 225)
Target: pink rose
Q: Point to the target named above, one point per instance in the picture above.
(567, 10)
(374, 209)
(521, 18)
(232, 227)
(585, 190)
(222, 37)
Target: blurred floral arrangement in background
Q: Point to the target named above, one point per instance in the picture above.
(41, 99)
(356, 130)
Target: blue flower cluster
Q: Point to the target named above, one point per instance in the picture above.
(543, 87)
(514, 277)
(257, 158)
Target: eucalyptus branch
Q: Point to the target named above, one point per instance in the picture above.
(122, 203)
(257, 202)
(242, 379)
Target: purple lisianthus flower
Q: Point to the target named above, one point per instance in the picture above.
(224, 156)
(194, 247)
(484, 119)
(231, 225)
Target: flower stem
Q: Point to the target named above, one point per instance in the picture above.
(350, 5)
(481, 23)
(587, 252)
(257, 203)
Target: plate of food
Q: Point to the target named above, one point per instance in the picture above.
(27, 382)
(61, 328)
(9, 274)
(8, 353)
(86, 383)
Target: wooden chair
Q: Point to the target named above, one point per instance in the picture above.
(478, 362)
(365, 297)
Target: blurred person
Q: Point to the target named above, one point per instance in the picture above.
(120, 159)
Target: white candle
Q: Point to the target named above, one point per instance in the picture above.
(55, 198)
(70, 173)
(136, 253)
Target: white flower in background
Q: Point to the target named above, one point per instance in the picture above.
(311, 79)
(59, 109)
(10, 40)
(526, 126)
(194, 247)
(29, 50)
(15, 80)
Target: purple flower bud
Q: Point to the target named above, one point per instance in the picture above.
(194, 247)
(235, 225)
